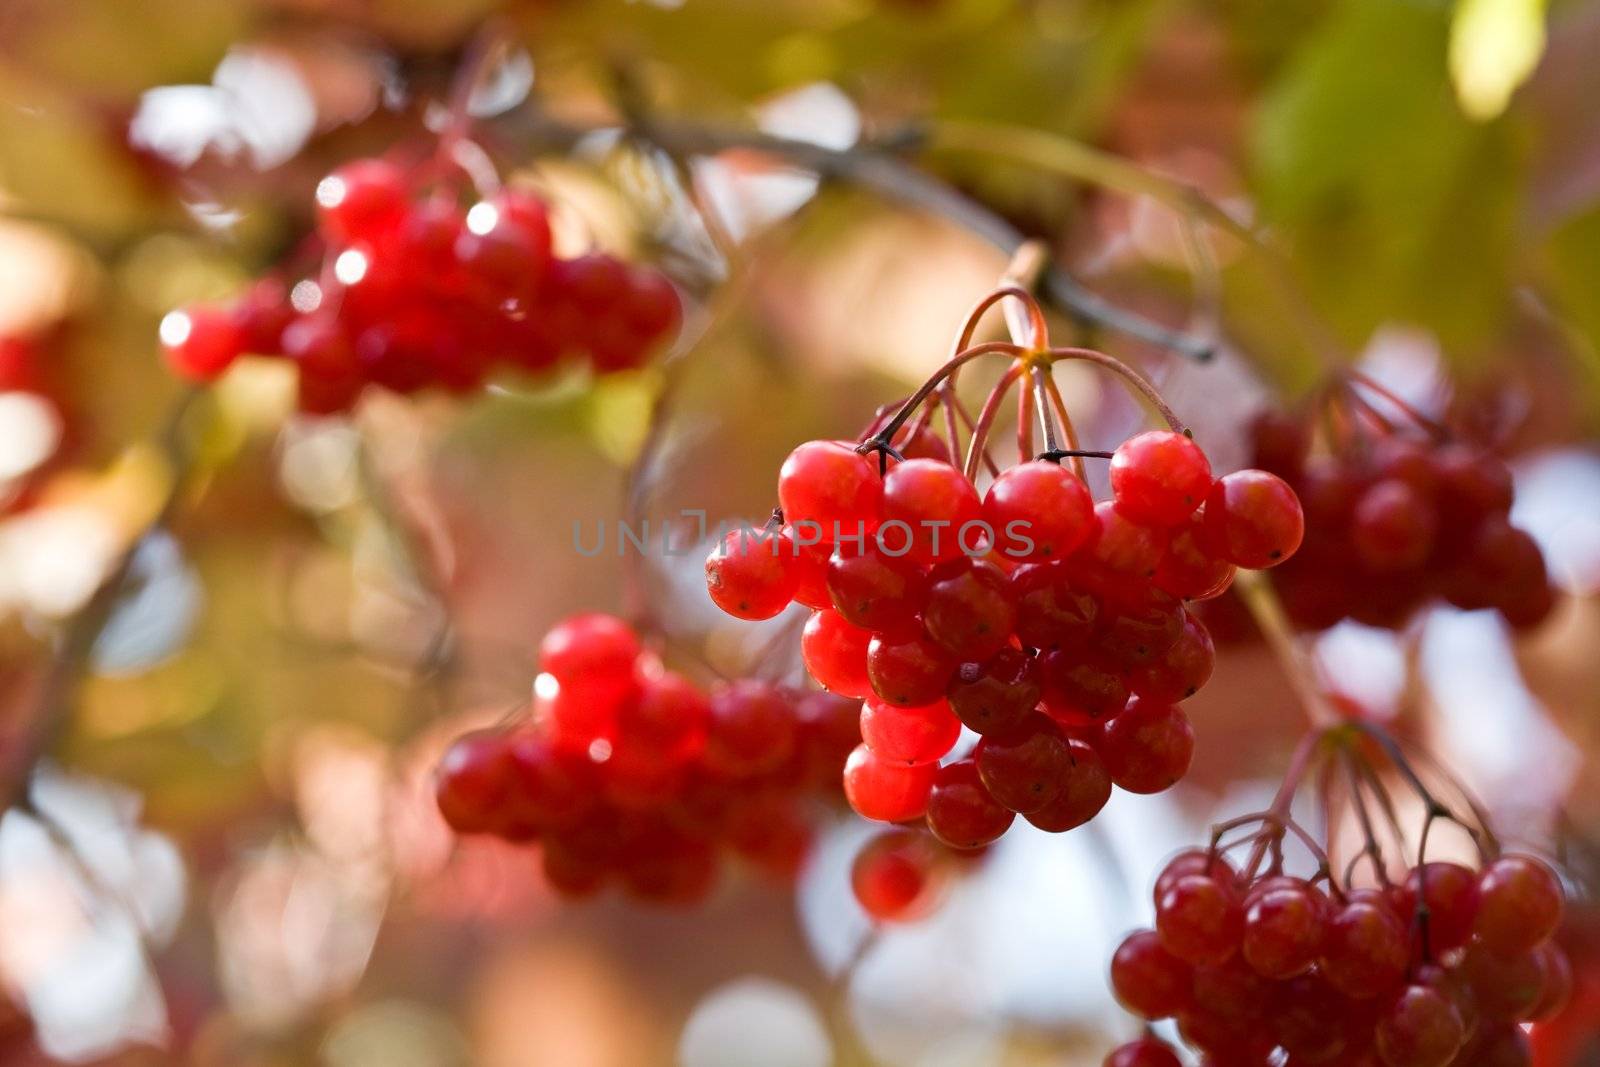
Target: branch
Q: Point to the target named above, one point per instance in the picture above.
(871, 167)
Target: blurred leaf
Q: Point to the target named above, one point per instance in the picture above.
(1575, 273)
(1399, 206)
(1494, 46)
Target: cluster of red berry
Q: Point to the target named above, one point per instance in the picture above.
(1052, 625)
(1436, 970)
(1396, 520)
(415, 292)
(631, 773)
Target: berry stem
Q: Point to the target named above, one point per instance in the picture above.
(1069, 431)
(1136, 381)
(986, 417)
(886, 435)
(1352, 378)
(1255, 589)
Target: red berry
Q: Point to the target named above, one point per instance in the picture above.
(1200, 919)
(753, 574)
(1147, 979)
(668, 722)
(1364, 952)
(1252, 519)
(1025, 769)
(1283, 931)
(1420, 1029)
(887, 790)
(833, 487)
(1393, 526)
(932, 510)
(1082, 791)
(201, 342)
(908, 672)
(1145, 1052)
(996, 695)
(1189, 570)
(1147, 747)
(969, 611)
(961, 811)
(1053, 610)
(893, 875)
(1451, 893)
(474, 781)
(1180, 671)
(1159, 477)
(750, 731)
(1193, 861)
(920, 734)
(875, 590)
(1122, 546)
(1519, 904)
(1039, 511)
(364, 200)
(589, 647)
(835, 653)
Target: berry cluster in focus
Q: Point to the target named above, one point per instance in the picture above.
(1052, 625)
(416, 291)
(1437, 970)
(632, 774)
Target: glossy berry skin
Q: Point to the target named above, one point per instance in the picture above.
(909, 672)
(1252, 519)
(1555, 991)
(201, 342)
(668, 721)
(1282, 931)
(921, 734)
(886, 790)
(1200, 920)
(1147, 747)
(753, 575)
(1128, 549)
(1039, 511)
(1180, 671)
(961, 811)
(892, 875)
(1420, 1029)
(1024, 770)
(750, 729)
(1192, 861)
(1365, 950)
(931, 509)
(969, 611)
(1451, 894)
(1159, 477)
(877, 591)
(364, 200)
(1145, 1052)
(1053, 610)
(1189, 570)
(1083, 790)
(1147, 979)
(830, 484)
(835, 654)
(1519, 905)
(589, 648)
(473, 782)
(996, 695)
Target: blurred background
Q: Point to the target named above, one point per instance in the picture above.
(219, 844)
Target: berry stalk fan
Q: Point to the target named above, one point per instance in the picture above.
(1432, 969)
(1054, 626)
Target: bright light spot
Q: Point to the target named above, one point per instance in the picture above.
(330, 191)
(53, 559)
(306, 296)
(819, 114)
(545, 687)
(503, 87)
(30, 430)
(1365, 664)
(318, 468)
(755, 1022)
(1494, 46)
(1558, 502)
(258, 105)
(599, 750)
(351, 266)
(482, 217)
(175, 328)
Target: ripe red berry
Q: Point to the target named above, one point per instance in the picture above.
(996, 695)
(751, 729)
(1120, 545)
(1147, 979)
(832, 486)
(961, 811)
(1451, 894)
(1082, 791)
(1159, 477)
(876, 591)
(1193, 861)
(1519, 904)
(753, 574)
(921, 734)
(835, 653)
(668, 721)
(589, 647)
(1420, 1029)
(969, 611)
(201, 342)
(1200, 919)
(1189, 570)
(1283, 930)
(474, 781)
(1393, 526)
(1039, 511)
(1252, 519)
(1025, 769)
(1053, 610)
(1364, 951)
(931, 510)
(887, 790)
(1555, 990)
(364, 200)
(1147, 747)
(908, 672)
(893, 876)
(1180, 671)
